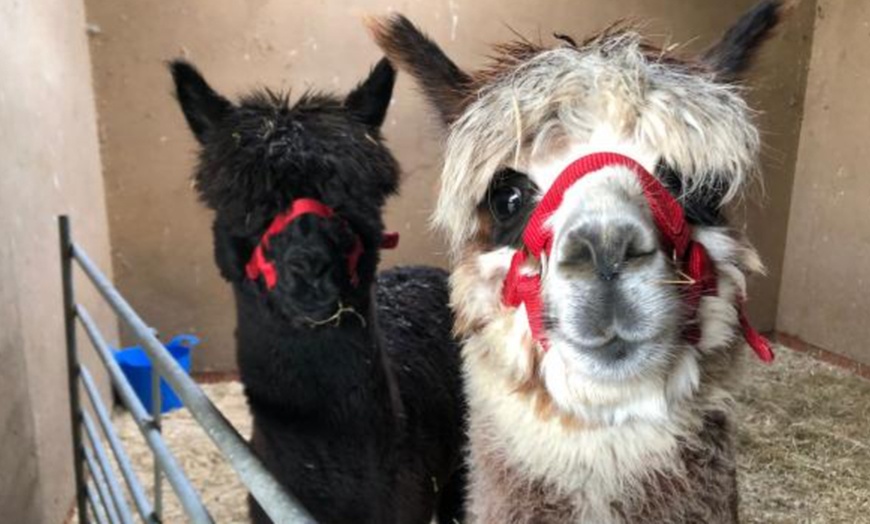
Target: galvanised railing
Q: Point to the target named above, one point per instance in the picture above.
(98, 488)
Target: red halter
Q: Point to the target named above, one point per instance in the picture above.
(675, 234)
(259, 265)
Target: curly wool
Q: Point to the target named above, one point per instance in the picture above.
(354, 389)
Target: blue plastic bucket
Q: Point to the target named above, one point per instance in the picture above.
(136, 366)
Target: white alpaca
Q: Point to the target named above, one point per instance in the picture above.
(603, 394)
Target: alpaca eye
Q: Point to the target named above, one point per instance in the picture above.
(505, 202)
(509, 201)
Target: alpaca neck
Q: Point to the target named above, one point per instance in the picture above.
(334, 368)
(557, 467)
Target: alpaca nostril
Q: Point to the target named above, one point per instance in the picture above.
(604, 251)
(608, 271)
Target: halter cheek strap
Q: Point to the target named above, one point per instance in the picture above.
(260, 266)
(691, 257)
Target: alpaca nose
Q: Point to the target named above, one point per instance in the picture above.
(600, 250)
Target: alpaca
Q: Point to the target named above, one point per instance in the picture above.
(353, 379)
(597, 286)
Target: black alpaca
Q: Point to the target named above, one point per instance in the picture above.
(353, 380)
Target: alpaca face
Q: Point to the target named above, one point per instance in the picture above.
(612, 301)
(613, 307)
(259, 155)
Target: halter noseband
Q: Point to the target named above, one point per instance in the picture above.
(691, 257)
(259, 265)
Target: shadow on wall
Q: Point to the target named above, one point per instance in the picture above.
(51, 165)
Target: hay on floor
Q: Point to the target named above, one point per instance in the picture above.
(803, 441)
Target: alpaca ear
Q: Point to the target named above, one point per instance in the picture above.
(732, 55)
(203, 108)
(444, 84)
(370, 100)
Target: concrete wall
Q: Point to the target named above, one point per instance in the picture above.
(50, 165)
(160, 235)
(825, 297)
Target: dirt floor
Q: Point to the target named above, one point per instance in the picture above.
(803, 441)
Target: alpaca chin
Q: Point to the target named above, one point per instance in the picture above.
(642, 398)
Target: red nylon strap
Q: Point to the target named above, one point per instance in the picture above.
(390, 240)
(701, 281)
(666, 211)
(259, 265)
(758, 343)
(674, 231)
(525, 289)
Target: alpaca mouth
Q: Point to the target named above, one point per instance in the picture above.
(613, 351)
(617, 359)
(313, 311)
(336, 317)
(616, 350)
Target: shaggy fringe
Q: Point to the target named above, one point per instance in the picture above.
(701, 127)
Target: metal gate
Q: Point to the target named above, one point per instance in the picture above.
(98, 488)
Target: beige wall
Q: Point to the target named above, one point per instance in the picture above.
(160, 235)
(776, 86)
(50, 165)
(825, 297)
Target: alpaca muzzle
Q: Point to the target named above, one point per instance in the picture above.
(522, 286)
(260, 266)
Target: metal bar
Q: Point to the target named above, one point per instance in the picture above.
(115, 491)
(156, 411)
(187, 495)
(72, 364)
(97, 509)
(274, 500)
(124, 464)
(102, 489)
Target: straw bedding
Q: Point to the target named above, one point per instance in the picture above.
(803, 442)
